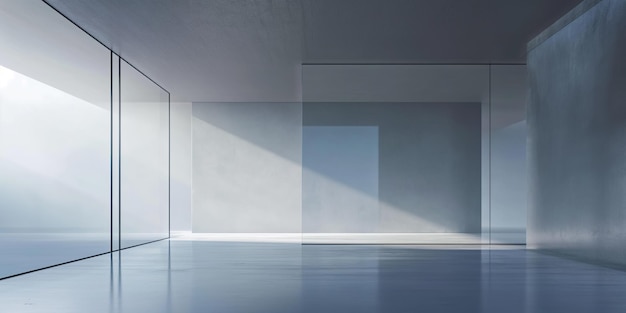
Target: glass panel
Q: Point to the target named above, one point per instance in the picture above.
(144, 164)
(431, 122)
(55, 130)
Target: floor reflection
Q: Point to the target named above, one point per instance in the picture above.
(204, 276)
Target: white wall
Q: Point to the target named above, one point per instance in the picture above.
(247, 174)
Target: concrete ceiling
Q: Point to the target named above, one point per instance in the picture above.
(461, 31)
(251, 50)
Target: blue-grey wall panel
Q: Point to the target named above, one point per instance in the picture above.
(339, 179)
(577, 136)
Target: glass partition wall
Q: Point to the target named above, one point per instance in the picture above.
(61, 140)
(144, 159)
(431, 154)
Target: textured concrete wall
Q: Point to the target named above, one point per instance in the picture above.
(429, 162)
(247, 174)
(577, 140)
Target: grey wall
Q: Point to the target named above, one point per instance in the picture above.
(247, 174)
(429, 163)
(180, 171)
(577, 124)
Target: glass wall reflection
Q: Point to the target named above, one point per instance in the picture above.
(84, 156)
(54, 140)
(144, 159)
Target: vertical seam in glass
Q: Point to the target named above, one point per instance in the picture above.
(489, 156)
(302, 99)
(111, 147)
(119, 154)
(169, 166)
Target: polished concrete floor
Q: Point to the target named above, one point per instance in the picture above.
(225, 277)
